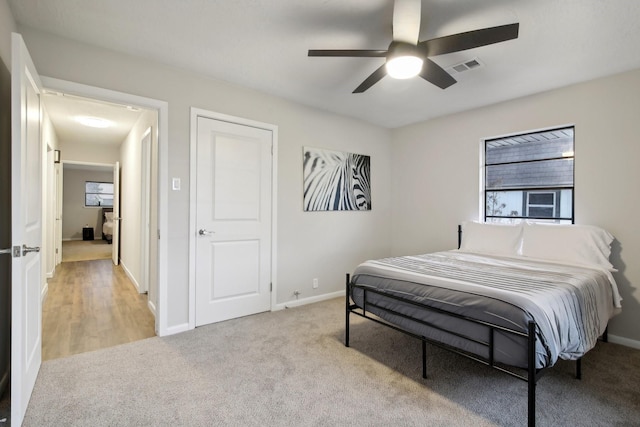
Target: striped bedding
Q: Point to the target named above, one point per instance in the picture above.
(570, 304)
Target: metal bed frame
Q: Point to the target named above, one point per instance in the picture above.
(532, 374)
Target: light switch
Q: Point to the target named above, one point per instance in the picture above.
(175, 184)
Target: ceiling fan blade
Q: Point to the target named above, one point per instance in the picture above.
(406, 21)
(374, 78)
(435, 74)
(349, 52)
(469, 39)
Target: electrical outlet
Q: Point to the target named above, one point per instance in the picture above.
(315, 283)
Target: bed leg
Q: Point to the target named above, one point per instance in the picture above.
(605, 335)
(531, 380)
(579, 368)
(347, 312)
(424, 359)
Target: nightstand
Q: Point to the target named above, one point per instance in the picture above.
(87, 233)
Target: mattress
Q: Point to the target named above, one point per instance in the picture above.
(107, 226)
(570, 304)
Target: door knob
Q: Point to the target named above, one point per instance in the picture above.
(203, 232)
(26, 249)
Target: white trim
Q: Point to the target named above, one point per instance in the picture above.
(183, 327)
(130, 276)
(627, 342)
(162, 107)
(198, 112)
(544, 129)
(481, 204)
(309, 300)
(145, 211)
(152, 307)
(44, 292)
(107, 166)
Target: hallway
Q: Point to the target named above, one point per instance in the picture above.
(92, 305)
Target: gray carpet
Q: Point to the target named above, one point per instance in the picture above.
(291, 368)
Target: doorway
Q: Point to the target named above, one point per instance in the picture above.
(158, 263)
(132, 273)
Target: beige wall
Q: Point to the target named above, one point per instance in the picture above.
(436, 163)
(322, 245)
(96, 153)
(130, 197)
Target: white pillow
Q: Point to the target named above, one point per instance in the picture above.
(495, 239)
(574, 244)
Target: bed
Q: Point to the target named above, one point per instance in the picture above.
(107, 224)
(514, 297)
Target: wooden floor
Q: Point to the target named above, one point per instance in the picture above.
(84, 250)
(92, 305)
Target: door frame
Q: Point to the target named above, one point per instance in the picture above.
(145, 209)
(101, 167)
(194, 114)
(162, 107)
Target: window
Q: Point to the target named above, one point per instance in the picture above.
(98, 193)
(541, 204)
(530, 176)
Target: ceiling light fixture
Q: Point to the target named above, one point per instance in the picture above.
(94, 122)
(403, 61)
(404, 67)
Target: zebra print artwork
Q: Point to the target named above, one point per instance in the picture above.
(336, 181)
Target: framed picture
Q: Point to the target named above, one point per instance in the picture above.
(336, 181)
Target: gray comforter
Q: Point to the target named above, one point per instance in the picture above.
(571, 305)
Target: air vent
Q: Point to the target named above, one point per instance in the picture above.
(465, 66)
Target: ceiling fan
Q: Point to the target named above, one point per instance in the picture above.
(407, 57)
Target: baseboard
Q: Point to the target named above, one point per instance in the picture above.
(176, 329)
(44, 293)
(130, 276)
(624, 341)
(309, 300)
(152, 307)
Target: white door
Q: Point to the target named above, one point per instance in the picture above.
(115, 239)
(26, 228)
(58, 225)
(233, 220)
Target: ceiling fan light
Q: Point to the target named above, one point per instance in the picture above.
(404, 67)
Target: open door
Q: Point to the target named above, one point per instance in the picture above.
(115, 251)
(26, 228)
(58, 224)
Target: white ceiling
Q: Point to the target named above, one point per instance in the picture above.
(263, 44)
(64, 109)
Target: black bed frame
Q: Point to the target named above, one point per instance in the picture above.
(532, 374)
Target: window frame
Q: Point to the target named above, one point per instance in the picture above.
(557, 190)
(555, 206)
(88, 193)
